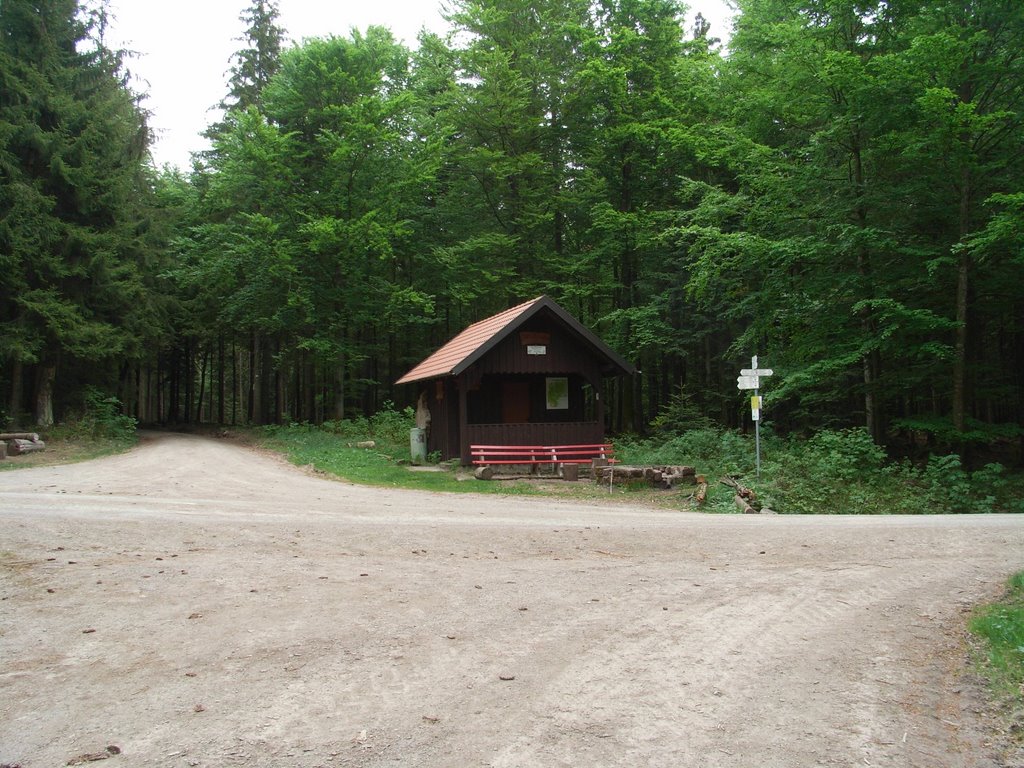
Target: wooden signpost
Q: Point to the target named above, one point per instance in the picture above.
(750, 378)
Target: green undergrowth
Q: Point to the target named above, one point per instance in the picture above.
(1001, 627)
(64, 447)
(97, 428)
(834, 472)
(333, 448)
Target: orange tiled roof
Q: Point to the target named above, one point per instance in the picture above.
(447, 358)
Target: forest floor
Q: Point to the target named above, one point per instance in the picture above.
(194, 602)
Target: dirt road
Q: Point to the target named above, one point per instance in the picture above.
(194, 603)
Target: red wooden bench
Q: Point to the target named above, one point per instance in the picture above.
(535, 455)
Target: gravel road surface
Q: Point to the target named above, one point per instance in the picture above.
(197, 603)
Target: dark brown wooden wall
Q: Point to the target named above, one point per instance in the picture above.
(565, 354)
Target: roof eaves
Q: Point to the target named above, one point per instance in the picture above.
(469, 345)
(501, 332)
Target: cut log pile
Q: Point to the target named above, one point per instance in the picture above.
(745, 498)
(663, 476)
(17, 443)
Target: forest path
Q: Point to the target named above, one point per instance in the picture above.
(196, 603)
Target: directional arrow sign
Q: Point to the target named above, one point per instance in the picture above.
(756, 372)
(746, 382)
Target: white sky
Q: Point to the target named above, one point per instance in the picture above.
(184, 50)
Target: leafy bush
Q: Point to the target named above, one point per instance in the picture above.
(388, 426)
(844, 454)
(101, 418)
(392, 426)
(834, 472)
(725, 450)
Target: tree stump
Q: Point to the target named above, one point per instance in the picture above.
(570, 472)
(483, 473)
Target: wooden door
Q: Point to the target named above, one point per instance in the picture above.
(515, 402)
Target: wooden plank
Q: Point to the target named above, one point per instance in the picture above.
(535, 455)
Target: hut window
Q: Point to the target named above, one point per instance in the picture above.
(557, 393)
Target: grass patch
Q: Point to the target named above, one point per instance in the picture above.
(1001, 625)
(332, 449)
(63, 447)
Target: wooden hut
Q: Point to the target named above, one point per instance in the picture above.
(531, 375)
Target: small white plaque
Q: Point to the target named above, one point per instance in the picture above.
(536, 349)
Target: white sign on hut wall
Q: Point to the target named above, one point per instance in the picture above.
(536, 349)
(558, 393)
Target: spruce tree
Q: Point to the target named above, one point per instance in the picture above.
(73, 153)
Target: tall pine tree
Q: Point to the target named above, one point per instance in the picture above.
(73, 153)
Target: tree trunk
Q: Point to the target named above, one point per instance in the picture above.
(203, 365)
(869, 363)
(236, 385)
(220, 379)
(190, 381)
(639, 421)
(339, 392)
(280, 400)
(309, 388)
(963, 273)
(15, 404)
(159, 391)
(256, 380)
(46, 374)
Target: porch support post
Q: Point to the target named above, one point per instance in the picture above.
(597, 382)
(460, 385)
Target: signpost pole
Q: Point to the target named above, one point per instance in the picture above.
(750, 378)
(757, 431)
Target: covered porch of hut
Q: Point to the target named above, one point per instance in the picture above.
(532, 409)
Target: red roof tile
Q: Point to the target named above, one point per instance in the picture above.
(447, 358)
(467, 347)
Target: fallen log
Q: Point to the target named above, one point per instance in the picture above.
(702, 493)
(483, 473)
(18, 446)
(744, 507)
(32, 436)
(745, 497)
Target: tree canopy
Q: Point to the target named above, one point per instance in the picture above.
(838, 191)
